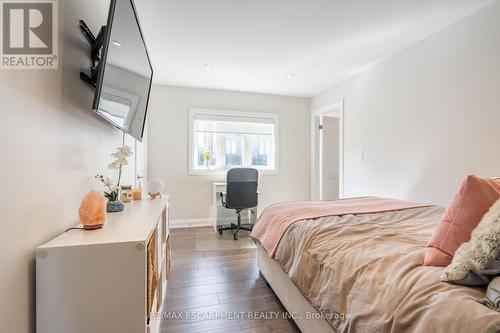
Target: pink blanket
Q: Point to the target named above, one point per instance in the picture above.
(275, 219)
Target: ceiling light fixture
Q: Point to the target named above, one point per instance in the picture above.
(116, 43)
(290, 75)
(207, 67)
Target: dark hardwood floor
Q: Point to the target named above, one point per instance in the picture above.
(214, 286)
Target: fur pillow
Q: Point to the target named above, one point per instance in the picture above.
(481, 250)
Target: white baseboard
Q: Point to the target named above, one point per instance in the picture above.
(191, 223)
(202, 222)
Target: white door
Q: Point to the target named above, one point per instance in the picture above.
(330, 158)
(327, 147)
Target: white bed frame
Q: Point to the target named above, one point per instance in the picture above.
(304, 315)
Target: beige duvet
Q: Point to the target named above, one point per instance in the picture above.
(365, 273)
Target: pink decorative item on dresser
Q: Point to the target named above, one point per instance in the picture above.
(155, 186)
(475, 197)
(93, 210)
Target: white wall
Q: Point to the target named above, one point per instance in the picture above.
(168, 146)
(426, 117)
(51, 148)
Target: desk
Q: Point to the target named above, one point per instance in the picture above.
(221, 215)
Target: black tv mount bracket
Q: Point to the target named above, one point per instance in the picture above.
(96, 44)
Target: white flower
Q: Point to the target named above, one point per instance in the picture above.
(122, 161)
(125, 150)
(108, 182)
(114, 165)
(121, 155)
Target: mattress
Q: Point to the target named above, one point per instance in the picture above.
(364, 273)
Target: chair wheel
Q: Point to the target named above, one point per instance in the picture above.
(235, 236)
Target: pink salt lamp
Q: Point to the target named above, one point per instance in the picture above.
(93, 210)
(155, 186)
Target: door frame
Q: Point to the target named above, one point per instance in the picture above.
(316, 161)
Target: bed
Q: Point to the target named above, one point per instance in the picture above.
(363, 272)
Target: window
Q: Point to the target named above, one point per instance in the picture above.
(220, 140)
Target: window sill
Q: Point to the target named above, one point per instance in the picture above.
(223, 172)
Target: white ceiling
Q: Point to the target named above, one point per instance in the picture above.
(253, 44)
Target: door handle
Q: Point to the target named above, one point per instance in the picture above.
(139, 178)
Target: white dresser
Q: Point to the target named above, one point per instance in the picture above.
(97, 281)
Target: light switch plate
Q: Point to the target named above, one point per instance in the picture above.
(359, 155)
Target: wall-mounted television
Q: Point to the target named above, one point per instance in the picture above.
(123, 74)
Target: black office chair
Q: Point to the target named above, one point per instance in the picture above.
(241, 194)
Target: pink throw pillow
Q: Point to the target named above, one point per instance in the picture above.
(475, 197)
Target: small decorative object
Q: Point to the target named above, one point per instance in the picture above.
(92, 210)
(114, 206)
(207, 155)
(113, 191)
(155, 186)
(126, 193)
(137, 193)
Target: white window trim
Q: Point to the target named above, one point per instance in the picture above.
(195, 111)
